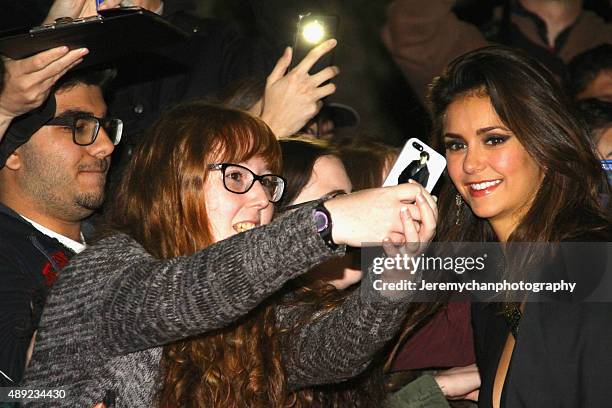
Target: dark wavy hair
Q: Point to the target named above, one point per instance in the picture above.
(531, 103)
(300, 155)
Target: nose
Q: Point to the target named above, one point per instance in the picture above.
(258, 197)
(102, 147)
(473, 161)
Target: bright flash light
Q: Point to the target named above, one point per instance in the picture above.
(313, 32)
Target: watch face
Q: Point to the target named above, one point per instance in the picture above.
(321, 220)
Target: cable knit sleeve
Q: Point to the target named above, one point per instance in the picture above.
(341, 343)
(131, 301)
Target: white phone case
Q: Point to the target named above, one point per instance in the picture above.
(435, 164)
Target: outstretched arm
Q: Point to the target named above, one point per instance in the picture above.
(339, 344)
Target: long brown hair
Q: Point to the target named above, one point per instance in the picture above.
(160, 203)
(530, 102)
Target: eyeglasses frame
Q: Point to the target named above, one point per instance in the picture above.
(70, 121)
(256, 177)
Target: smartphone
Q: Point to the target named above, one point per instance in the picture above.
(312, 30)
(419, 162)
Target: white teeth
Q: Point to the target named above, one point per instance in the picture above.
(483, 185)
(243, 226)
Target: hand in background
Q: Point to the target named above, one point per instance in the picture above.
(459, 382)
(28, 81)
(76, 8)
(292, 98)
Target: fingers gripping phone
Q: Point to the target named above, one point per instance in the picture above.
(418, 162)
(312, 30)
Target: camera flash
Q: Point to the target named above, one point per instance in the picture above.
(313, 32)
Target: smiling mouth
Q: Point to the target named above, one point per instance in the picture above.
(244, 226)
(483, 185)
(483, 188)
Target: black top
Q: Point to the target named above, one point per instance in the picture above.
(562, 353)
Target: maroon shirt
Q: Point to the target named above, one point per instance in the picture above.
(445, 341)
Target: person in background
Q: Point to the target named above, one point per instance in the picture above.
(367, 162)
(424, 36)
(214, 57)
(441, 335)
(590, 74)
(597, 115)
(53, 164)
(314, 170)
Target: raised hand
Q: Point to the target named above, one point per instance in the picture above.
(28, 81)
(292, 98)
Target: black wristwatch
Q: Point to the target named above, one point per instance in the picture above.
(323, 223)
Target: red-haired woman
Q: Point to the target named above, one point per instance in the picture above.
(188, 253)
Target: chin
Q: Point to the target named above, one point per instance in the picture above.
(91, 200)
(485, 211)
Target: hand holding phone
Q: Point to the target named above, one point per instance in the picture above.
(312, 30)
(292, 98)
(418, 162)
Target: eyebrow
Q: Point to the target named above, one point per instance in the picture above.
(490, 128)
(74, 112)
(478, 132)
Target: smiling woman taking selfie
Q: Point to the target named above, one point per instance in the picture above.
(522, 169)
(169, 308)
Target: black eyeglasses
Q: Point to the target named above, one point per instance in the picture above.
(325, 197)
(85, 128)
(238, 179)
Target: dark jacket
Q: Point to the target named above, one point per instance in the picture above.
(561, 357)
(29, 264)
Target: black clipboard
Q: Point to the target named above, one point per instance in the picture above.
(109, 35)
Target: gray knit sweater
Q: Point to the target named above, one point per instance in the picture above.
(114, 306)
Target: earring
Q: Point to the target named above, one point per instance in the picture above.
(459, 205)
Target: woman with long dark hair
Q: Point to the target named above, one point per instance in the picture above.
(522, 169)
(183, 256)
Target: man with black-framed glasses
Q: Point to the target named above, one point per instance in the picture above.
(53, 166)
